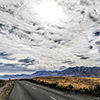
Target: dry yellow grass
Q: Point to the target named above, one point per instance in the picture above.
(5, 92)
(77, 82)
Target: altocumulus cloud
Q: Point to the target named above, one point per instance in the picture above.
(28, 43)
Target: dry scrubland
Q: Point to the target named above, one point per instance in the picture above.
(2, 83)
(6, 90)
(88, 86)
(76, 82)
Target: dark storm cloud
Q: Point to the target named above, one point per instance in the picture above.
(10, 65)
(82, 56)
(58, 41)
(34, 24)
(27, 32)
(27, 61)
(93, 18)
(98, 42)
(2, 25)
(69, 62)
(13, 68)
(97, 33)
(5, 55)
(90, 47)
(12, 29)
(39, 28)
(82, 12)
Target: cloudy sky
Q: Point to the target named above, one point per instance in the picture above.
(48, 34)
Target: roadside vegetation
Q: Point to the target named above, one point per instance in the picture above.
(2, 83)
(6, 91)
(88, 86)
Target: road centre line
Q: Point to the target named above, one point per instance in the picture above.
(33, 88)
(26, 84)
(53, 98)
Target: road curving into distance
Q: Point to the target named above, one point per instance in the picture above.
(24, 90)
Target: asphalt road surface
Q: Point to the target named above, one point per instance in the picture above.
(24, 90)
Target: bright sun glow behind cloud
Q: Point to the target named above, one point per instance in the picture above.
(50, 11)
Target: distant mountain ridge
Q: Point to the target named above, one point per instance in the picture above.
(36, 74)
(45, 73)
(12, 76)
(81, 72)
(72, 71)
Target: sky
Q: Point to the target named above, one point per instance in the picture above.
(48, 35)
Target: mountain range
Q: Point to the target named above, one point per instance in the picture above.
(81, 72)
(72, 71)
(36, 74)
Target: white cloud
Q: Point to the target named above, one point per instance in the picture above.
(25, 35)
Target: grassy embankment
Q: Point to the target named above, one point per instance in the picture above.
(88, 86)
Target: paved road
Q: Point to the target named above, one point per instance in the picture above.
(24, 90)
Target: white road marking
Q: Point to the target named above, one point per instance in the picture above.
(33, 88)
(26, 84)
(58, 92)
(53, 98)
